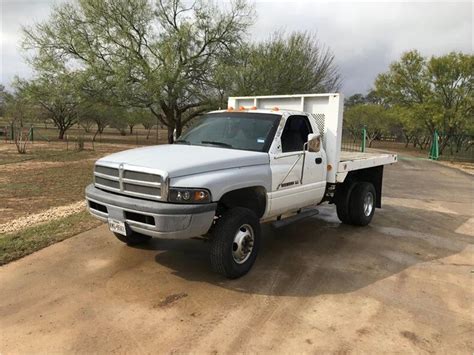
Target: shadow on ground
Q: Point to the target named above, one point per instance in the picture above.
(321, 256)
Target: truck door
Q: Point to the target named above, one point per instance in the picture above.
(298, 175)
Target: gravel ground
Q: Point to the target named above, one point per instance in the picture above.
(42, 217)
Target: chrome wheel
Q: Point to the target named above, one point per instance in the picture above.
(243, 244)
(368, 204)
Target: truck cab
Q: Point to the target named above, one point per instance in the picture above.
(263, 159)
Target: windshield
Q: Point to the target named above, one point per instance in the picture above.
(236, 130)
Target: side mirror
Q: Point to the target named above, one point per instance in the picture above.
(314, 142)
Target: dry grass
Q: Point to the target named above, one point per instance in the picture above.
(36, 184)
(46, 177)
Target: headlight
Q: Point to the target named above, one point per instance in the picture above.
(183, 195)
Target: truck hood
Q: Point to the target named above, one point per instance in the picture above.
(181, 160)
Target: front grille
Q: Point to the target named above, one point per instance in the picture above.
(136, 175)
(129, 182)
(107, 182)
(146, 190)
(106, 170)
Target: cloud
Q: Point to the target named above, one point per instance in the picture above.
(364, 36)
(14, 15)
(367, 36)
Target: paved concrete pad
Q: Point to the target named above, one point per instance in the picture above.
(402, 284)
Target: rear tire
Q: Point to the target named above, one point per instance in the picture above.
(362, 204)
(342, 210)
(235, 242)
(133, 238)
(342, 204)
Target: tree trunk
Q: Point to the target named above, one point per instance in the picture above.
(179, 126)
(444, 143)
(407, 139)
(170, 134)
(62, 131)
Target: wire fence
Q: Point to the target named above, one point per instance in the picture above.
(353, 141)
(48, 133)
(457, 148)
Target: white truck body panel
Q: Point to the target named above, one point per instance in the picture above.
(182, 160)
(327, 110)
(296, 181)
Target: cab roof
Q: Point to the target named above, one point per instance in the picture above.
(272, 112)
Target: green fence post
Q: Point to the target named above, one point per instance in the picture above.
(364, 138)
(434, 150)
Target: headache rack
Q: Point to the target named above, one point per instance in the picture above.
(132, 181)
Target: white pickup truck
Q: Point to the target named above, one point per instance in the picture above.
(265, 158)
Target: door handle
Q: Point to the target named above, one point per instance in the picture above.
(318, 160)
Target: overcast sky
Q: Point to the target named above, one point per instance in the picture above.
(364, 36)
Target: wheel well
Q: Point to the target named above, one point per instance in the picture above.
(253, 198)
(373, 175)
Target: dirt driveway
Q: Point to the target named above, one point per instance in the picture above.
(403, 284)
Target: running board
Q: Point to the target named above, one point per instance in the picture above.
(295, 218)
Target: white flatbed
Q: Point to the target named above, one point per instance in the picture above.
(357, 160)
(350, 161)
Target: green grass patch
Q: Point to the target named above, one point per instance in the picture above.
(16, 245)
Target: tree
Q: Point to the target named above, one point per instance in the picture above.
(145, 118)
(19, 111)
(98, 113)
(55, 96)
(86, 123)
(412, 129)
(138, 53)
(284, 64)
(374, 118)
(356, 99)
(3, 94)
(437, 91)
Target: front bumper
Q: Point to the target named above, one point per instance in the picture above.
(156, 219)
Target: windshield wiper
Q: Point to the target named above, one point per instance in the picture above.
(182, 141)
(222, 144)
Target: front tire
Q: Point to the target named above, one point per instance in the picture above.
(133, 238)
(235, 242)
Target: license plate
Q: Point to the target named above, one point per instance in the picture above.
(117, 226)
